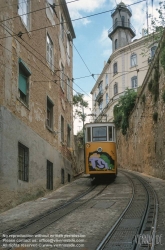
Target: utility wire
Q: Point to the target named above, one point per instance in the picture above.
(24, 2)
(41, 62)
(72, 20)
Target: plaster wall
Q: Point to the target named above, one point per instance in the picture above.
(12, 190)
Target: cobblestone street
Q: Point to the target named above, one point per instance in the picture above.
(91, 219)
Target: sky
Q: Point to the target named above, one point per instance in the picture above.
(92, 43)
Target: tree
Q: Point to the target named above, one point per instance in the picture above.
(123, 109)
(79, 104)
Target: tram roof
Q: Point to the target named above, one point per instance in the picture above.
(92, 124)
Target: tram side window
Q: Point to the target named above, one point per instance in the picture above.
(110, 134)
(88, 134)
(99, 134)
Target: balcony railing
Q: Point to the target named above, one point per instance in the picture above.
(122, 24)
(99, 96)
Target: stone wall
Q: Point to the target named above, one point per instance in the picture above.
(143, 147)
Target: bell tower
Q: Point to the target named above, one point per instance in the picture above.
(122, 30)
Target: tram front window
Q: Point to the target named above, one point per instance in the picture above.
(99, 133)
(110, 136)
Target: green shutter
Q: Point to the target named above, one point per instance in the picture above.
(23, 83)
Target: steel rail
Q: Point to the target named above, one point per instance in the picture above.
(109, 234)
(48, 212)
(65, 205)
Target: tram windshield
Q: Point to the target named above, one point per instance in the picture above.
(100, 133)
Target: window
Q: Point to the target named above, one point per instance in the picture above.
(115, 23)
(88, 134)
(133, 60)
(49, 55)
(134, 82)
(62, 176)
(49, 175)
(51, 2)
(68, 135)
(99, 133)
(106, 79)
(62, 77)
(153, 49)
(101, 106)
(122, 20)
(115, 68)
(107, 99)
(24, 74)
(115, 88)
(110, 134)
(62, 128)
(23, 162)
(23, 10)
(116, 45)
(62, 27)
(68, 177)
(68, 89)
(49, 113)
(100, 86)
(68, 48)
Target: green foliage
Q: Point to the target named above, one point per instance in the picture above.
(123, 109)
(155, 116)
(80, 139)
(163, 96)
(78, 100)
(80, 104)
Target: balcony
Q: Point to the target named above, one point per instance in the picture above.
(123, 25)
(99, 96)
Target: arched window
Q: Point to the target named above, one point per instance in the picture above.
(134, 82)
(133, 60)
(116, 44)
(115, 68)
(122, 20)
(115, 88)
(153, 49)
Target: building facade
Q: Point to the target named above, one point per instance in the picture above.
(126, 66)
(36, 123)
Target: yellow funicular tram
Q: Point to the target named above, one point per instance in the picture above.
(100, 150)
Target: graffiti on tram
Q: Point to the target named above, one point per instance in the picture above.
(100, 161)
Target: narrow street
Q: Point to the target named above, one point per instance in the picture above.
(91, 211)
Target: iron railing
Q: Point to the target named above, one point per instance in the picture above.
(122, 24)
